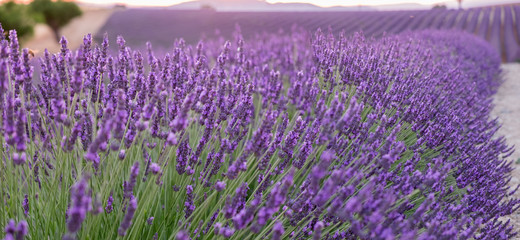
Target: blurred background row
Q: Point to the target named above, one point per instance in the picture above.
(41, 22)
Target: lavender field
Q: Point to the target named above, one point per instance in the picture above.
(498, 25)
(291, 134)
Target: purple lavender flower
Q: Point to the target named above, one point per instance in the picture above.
(238, 201)
(389, 137)
(4, 84)
(16, 231)
(171, 139)
(317, 230)
(129, 187)
(183, 153)
(278, 231)
(155, 168)
(80, 205)
(211, 221)
(2, 37)
(25, 205)
(276, 198)
(74, 135)
(122, 154)
(127, 220)
(8, 123)
(19, 158)
(219, 186)
(246, 215)
(189, 207)
(182, 235)
(110, 201)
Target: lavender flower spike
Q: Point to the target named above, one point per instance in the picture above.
(81, 204)
(277, 231)
(129, 187)
(127, 220)
(15, 231)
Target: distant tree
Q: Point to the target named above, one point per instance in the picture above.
(15, 16)
(460, 3)
(207, 7)
(120, 6)
(439, 6)
(56, 14)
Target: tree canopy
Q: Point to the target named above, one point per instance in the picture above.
(22, 17)
(56, 14)
(15, 16)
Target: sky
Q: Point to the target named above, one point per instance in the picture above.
(322, 3)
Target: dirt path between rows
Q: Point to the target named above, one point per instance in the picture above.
(90, 22)
(507, 109)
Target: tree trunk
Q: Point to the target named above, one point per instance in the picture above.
(56, 32)
(54, 26)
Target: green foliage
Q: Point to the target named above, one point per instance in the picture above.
(440, 6)
(207, 7)
(55, 13)
(15, 16)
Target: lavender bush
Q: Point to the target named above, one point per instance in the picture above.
(497, 24)
(280, 137)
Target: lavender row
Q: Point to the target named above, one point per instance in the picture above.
(292, 136)
(162, 26)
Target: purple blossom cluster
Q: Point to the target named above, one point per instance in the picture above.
(15, 231)
(291, 136)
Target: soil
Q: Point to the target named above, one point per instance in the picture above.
(90, 21)
(507, 109)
